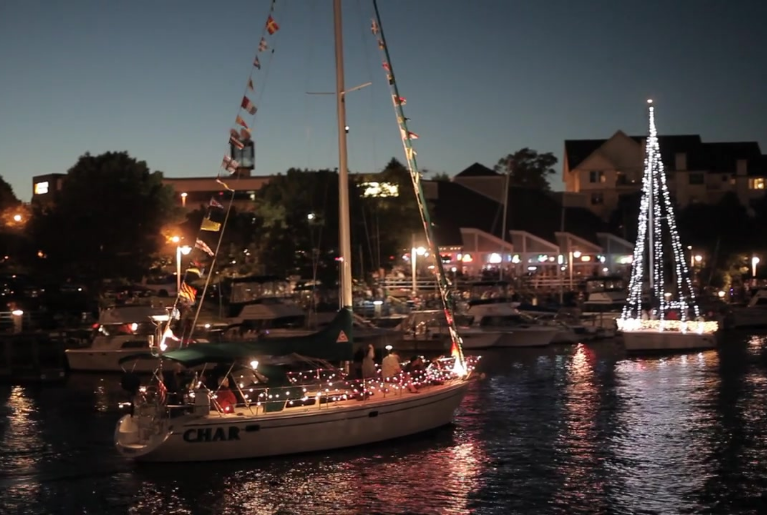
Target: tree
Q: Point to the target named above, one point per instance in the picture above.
(528, 168)
(387, 222)
(443, 176)
(106, 221)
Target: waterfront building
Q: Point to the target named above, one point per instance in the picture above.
(604, 170)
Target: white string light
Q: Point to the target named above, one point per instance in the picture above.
(656, 212)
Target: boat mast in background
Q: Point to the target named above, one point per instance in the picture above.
(344, 231)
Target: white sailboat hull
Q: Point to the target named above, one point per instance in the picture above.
(294, 430)
(659, 341)
(90, 360)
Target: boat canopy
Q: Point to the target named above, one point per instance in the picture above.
(333, 343)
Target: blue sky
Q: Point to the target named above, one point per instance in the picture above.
(163, 79)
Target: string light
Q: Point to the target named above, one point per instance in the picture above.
(656, 212)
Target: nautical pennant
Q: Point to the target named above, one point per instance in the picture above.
(256, 62)
(248, 105)
(241, 122)
(229, 164)
(250, 85)
(210, 225)
(263, 46)
(374, 27)
(215, 203)
(271, 25)
(222, 183)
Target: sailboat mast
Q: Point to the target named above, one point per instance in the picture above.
(651, 222)
(344, 226)
(503, 222)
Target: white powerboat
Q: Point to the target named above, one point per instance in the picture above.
(120, 331)
(503, 321)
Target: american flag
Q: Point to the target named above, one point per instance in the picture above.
(204, 246)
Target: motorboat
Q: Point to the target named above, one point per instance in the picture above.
(120, 331)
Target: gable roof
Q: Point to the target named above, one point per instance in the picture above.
(578, 150)
(715, 157)
(529, 210)
(477, 170)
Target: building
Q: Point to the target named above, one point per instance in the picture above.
(45, 188)
(604, 170)
(549, 237)
(193, 192)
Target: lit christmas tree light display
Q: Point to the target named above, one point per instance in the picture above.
(657, 228)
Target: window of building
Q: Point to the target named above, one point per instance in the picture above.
(756, 183)
(621, 179)
(697, 178)
(597, 199)
(41, 188)
(596, 176)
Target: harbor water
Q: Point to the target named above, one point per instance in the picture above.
(569, 429)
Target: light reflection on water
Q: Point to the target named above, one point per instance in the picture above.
(578, 429)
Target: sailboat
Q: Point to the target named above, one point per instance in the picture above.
(672, 321)
(273, 409)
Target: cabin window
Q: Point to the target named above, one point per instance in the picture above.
(596, 176)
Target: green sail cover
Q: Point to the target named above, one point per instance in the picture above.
(334, 343)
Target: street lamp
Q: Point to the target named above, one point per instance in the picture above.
(180, 250)
(414, 252)
(575, 255)
(17, 218)
(754, 262)
(183, 199)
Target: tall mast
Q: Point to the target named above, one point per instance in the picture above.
(344, 230)
(650, 217)
(503, 222)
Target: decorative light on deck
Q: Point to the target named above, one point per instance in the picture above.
(656, 205)
(687, 326)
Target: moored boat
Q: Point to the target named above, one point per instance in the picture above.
(667, 323)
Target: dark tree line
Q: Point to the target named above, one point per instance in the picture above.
(114, 218)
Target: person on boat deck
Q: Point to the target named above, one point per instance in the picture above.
(177, 382)
(415, 366)
(390, 366)
(369, 363)
(225, 398)
(415, 369)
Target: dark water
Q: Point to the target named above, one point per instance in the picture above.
(564, 430)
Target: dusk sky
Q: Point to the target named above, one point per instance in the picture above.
(164, 79)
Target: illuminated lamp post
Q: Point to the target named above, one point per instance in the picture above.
(183, 199)
(754, 262)
(415, 251)
(180, 250)
(576, 254)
